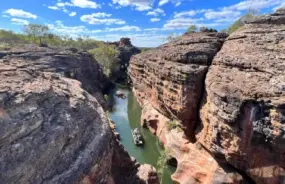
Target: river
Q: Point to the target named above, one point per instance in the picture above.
(126, 114)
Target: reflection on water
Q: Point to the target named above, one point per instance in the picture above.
(127, 114)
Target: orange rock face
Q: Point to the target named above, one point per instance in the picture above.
(243, 115)
(231, 102)
(171, 77)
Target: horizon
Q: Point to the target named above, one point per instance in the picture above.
(146, 22)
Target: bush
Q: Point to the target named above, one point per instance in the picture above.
(107, 57)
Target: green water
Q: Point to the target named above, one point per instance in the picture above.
(127, 114)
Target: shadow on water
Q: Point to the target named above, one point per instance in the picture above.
(127, 114)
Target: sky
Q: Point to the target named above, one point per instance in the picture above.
(146, 22)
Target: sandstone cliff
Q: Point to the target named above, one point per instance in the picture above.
(52, 129)
(230, 102)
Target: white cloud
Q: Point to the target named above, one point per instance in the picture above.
(72, 14)
(156, 12)
(124, 28)
(20, 13)
(222, 14)
(53, 7)
(185, 13)
(80, 4)
(154, 19)
(19, 21)
(5, 16)
(254, 4)
(93, 19)
(162, 2)
(140, 5)
(101, 15)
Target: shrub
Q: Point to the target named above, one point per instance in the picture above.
(107, 57)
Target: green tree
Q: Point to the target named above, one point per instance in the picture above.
(36, 31)
(107, 56)
(192, 28)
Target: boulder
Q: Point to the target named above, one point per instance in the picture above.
(243, 114)
(52, 129)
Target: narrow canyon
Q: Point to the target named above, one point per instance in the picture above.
(217, 102)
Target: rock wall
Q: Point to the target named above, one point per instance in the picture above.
(230, 102)
(52, 129)
(171, 77)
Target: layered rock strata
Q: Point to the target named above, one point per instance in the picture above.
(243, 116)
(171, 77)
(52, 129)
(239, 101)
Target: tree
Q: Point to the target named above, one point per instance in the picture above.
(107, 56)
(36, 31)
(192, 28)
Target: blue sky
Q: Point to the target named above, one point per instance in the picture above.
(146, 22)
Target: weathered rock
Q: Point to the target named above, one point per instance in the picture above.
(242, 132)
(79, 66)
(194, 163)
(171, 77)
(147, 174)
(244, 110)
(52, 130)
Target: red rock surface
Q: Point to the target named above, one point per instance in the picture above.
(243, 117)
(241, 135)
(171, 77)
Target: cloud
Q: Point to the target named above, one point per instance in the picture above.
(222, 14)
(72, 14)
(156, 12)
(93, 19)
(139, 5)
(101, 15)
(175, 2)
(124, 28)
(254, 4)
(20, 13)
(154, 19)
(19, 21)
(162, 2)
(53, 7)
(80, 4)
(185, 13)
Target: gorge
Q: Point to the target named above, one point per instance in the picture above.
(216, 102)
(226, 94)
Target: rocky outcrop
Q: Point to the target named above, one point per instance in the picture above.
(171, 77)
(243, 116)
(52, 129)
(231, 102)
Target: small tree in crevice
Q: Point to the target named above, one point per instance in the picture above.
(36, 31)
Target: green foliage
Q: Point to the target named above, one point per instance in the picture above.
(106, 55)
(192, 28)
(161, 164)
(36, 31)
(240, 22)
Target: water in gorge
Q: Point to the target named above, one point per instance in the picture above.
(126, 114)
